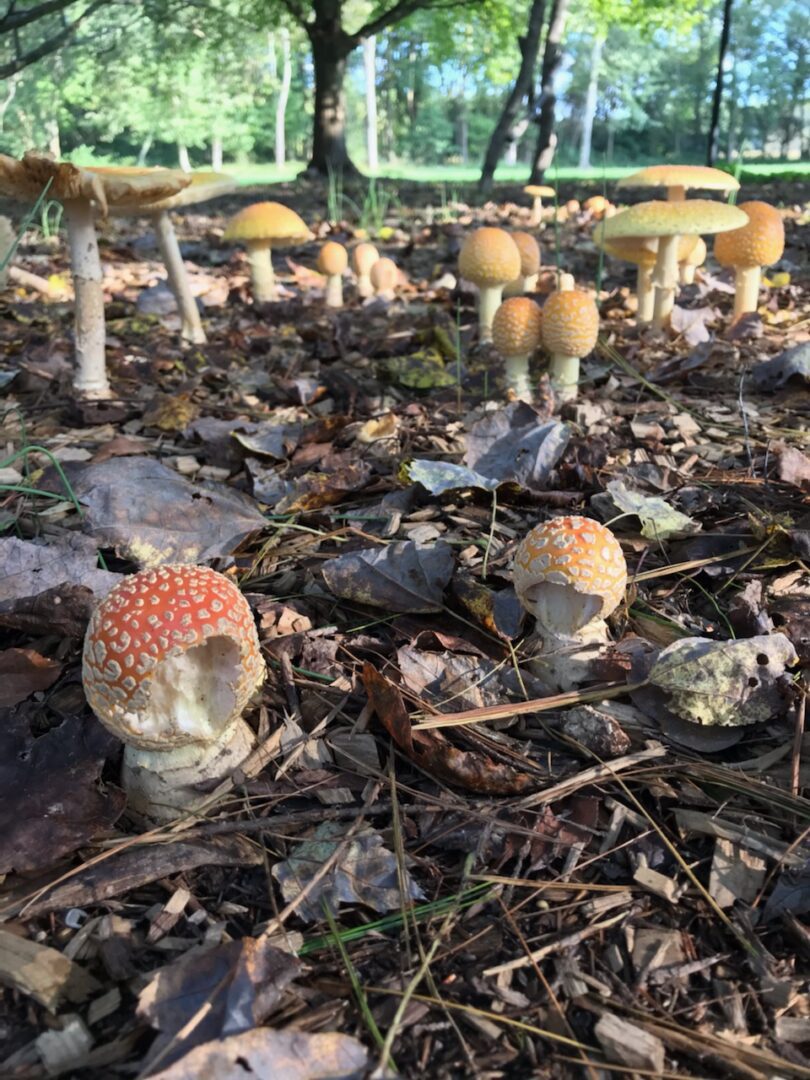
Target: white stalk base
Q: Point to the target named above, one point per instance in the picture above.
(262, 278)
(565, 664)
(364, 286)
(162, 785)
(665, 279)
(517, 376)
(191, 328)
(334, 291)
(90, 380)
(489, 300)
(564, 374)
(645, 294)
(747, 282)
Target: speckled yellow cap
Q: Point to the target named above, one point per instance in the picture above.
(692, 217)
(517, 326)
(570, 323)
(489, 257)
(681, 176)
(529, 253)
(760, 242)
(267, 221)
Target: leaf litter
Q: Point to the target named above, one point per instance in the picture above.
(367, 486)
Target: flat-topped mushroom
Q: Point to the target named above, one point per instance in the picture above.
(490, 259)
(678, 179)
(516, 334)
(83, 193)
(261, 227)
(759, 242)
(526, 281)
(333, 258)
(384, 276)
(570, 330)
(202, 187)
(668, 221)
(171, 658)
(363, 258)
(538, 192)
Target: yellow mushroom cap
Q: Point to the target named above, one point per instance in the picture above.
(270, 221)
(570, 323)
(489, 257)
(529, 253)
(384, 275)
(597, 204)
(540, 190)
(685, 176)
(688, 218)
(569, 571)
(572, 206)
(697, 255)
(642, 250)
(363, 258)
(333, 258)
(760, 242)
(517, 326)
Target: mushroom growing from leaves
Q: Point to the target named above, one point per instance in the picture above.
(490, 259)
(82, 194)
(332, 261)
(570, 330)
(260, 227)
(384, 277)
(569, 574)
(516, 331)
(678, 179)
(757, 243)
(538, 192)
(667, 222)
(171, 658)
(363, 258)
(526, 281)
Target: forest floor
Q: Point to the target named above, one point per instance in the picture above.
(587, 887)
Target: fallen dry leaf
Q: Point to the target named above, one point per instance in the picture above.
(404, 576)
(22, 673)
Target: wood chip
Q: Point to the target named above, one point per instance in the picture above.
(61, 1050)
(629, 1045)
(42, 973)
(736, 874)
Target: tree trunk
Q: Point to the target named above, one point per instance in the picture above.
(714, 125)
(463, 134)
(552, 58)
(331, 46)
(516, 133)
(591, 100)
(183, 159)
(54, 138)
(216, 153)
(370, 67)
(143, 153)
(529, 46)
(283, 97)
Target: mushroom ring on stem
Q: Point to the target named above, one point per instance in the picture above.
(171, 659)
(490, 259)
(333, 258)
(760, 242)
(516, 331)
(259, 227)
(570, 330)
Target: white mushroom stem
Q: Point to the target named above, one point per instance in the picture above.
(489, 300)
(564, 664)
(521, 285)
(530, 283)
(364, 286)
(677, 193)
(90, 379)
(166, 784)
(191, 329)
(563, 372)
(646, 295)
(537, 210)
(687, 273)
(517, 376)
(566, 283)
(334, 290)
(665, 280)
(747, 281)
(262, 279)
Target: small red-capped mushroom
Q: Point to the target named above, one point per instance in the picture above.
(171, 659)
(570, 574)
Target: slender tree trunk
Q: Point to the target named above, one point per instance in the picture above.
(529, 47)
(183, 159)
(216, 153)
(463, 134)
(143, 153)
(712, 142)
(516, 133)
(591, 100)
(12, 85)
(54, 138)
(283, 96)
(552, 58)
(272, 63)
(370, 68)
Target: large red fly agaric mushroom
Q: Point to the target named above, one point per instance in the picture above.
(171, 658)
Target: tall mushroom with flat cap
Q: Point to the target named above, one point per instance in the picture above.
(490, 259)
(202, 187)
(667, 221)
(570, 330)
(261, 227)
(171, 659)
(678, 179)
(516, 331)
(82, 194)
(333, 258)
(538, 192)
(526, 281)
(759, 242)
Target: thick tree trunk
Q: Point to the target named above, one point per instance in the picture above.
(283, 97)
(712, 143)
(331, 46)
(529, 47)
(370, 68)
(552, 58)
(591, 100)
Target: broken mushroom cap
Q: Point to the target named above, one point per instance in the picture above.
(171, 658)
(260, 227)
(490, 259)
(677, 179)
(384, 276)
(538, 192)
(363, 258)
(668, 221)
(526, 281)
(570, 330)
(759, 242)
(333, 258)
(516, 331)
(570, 574)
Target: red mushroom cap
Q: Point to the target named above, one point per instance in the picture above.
(171, 657)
